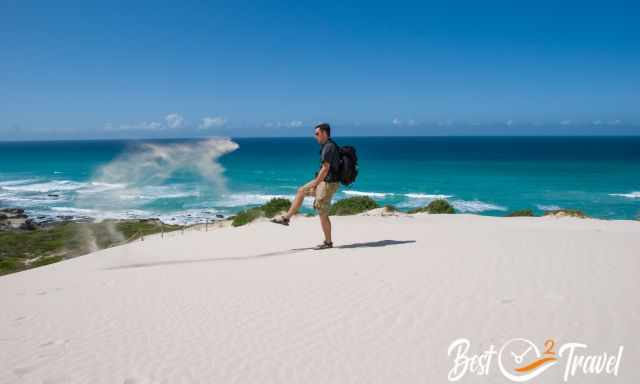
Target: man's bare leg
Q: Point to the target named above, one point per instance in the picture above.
(296, 204)
(326, 227)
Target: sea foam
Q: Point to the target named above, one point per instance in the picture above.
(50, 186)
(378, 195)
(475, 206)
(630, 195)
(544, 207)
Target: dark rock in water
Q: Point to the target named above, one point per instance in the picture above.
(219, 216)
(53, 195)
(3, 216)
(28, 225)
(13, 213)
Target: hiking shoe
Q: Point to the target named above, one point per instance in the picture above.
(280, 220)
(324, 245)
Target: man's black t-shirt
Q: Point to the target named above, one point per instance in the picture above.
(329, 153)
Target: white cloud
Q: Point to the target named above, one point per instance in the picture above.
(174, 120)
(614, 122)
(143, 126)
(597, 122)
(509, 122)
(565, 122)
(396, 121)
(212, 122)
(284, 124)
(411, 122)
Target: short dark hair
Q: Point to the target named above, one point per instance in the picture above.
(324, 127)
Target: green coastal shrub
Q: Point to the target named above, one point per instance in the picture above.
(521, 212)
(275, 206)
(270, 209)
(390, 208)
(246, 216)
(9, 265)
(352, 206)
(437, 206)
(566, 213)
(30, 244)
(129, 229)
(50, 244)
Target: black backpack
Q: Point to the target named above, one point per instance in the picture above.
(348, 165)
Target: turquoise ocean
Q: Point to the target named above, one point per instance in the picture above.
(191, 180)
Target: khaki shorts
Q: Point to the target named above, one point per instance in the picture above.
(322, 193)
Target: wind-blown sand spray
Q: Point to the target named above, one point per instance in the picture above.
(121, 185)
(149, 165)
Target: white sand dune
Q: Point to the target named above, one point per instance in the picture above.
(252, 305)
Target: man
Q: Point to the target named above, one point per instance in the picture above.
(323, 187)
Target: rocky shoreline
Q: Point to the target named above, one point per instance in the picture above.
(19, 219)
(15, 218)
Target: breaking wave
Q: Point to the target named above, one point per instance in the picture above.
(250, 199)
(378, 195)
(50, 186)
(475, 206)
(424, 196)
(630, 195)
(544, 207)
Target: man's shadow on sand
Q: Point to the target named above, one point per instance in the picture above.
(370, 244)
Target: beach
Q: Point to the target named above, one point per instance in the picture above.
(254, 304)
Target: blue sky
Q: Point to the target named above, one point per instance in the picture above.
(180, 69)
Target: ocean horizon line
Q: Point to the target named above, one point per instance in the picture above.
(599, 136)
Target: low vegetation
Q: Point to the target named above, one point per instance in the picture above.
(390, 208)
(437, 206)
(352, 206)
(246, 216)
(276, 206)
(522, 213)
(21, 249)
(269, 210)
(567, 213)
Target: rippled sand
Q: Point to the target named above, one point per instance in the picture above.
(254, 305)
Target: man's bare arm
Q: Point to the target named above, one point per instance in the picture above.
(324, 170)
